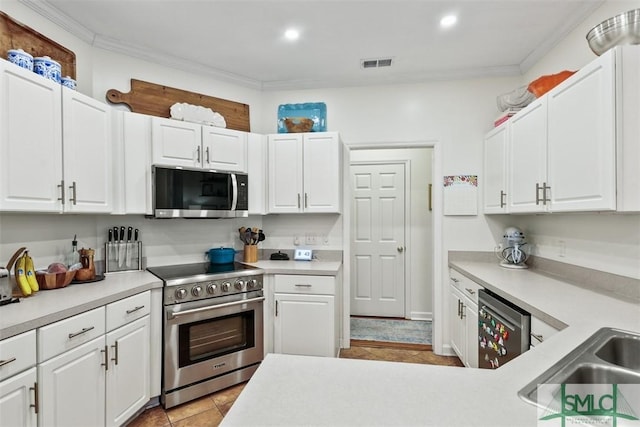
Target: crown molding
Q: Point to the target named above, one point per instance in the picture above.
(54, 15)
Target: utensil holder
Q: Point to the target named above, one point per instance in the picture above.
(114, 251)
(251, 253)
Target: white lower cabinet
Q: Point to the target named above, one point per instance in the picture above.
(72, 387)
(127, 380)
(93, 368)
(463, 318)
(305, 315)
(17, 400)
(18, 382)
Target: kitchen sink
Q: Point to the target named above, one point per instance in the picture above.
(610, 356)
(621, 351)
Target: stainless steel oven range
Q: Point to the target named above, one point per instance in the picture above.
(212, 327)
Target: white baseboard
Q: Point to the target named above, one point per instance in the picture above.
(447, 350)
(421, 315)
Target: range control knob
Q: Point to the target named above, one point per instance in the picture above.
(196, 291)
(251, 284)
(226, 286)
(181, 293)
(211, 288)
(239, 284)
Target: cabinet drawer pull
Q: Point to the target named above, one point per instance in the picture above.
(61, 187)
(207, 151)
(298, 200)
(6, 362)
(133, 310)
(73, 189)
(453, 279)
(471, 291)
(84, 330)
(36, 403)
(115, 347)
(502, 197)
(539, 337)
(306, 200)
(198, 155)
(302, 285)
(106, 357)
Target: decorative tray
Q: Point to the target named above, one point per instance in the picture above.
(98, 278)
(291, 117)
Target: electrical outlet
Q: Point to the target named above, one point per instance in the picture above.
(296, 240)
(325, 239)
(562, 248)
(311, 239)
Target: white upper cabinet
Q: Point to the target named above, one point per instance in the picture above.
(582, 139)
(132, 163)
(304, 173)
(224, 149)
(528, 158)
(576, 148)
(178, 143)
(30, 141)
(43, 128)
(86, 136)
(257, 168)
(495, 169)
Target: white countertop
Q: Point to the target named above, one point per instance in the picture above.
(315, 268)
(48, 306)
(299, 390)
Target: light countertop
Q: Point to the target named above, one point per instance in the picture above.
(316, 268)
(48, 306)
(300, 390)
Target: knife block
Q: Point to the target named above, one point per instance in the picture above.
(115, 255)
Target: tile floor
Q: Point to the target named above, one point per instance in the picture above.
(208, 411)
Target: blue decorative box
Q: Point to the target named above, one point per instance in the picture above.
(307, 117)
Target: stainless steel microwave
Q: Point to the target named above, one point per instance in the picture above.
(180, 192)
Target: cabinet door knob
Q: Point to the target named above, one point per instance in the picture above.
(400, 249)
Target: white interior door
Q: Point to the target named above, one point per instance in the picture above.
(378, 240)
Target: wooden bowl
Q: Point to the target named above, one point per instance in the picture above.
(49, 281)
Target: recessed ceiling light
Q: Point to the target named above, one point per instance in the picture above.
(448, 21)
(292, 34)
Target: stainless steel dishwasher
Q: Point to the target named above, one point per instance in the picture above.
(503, 330)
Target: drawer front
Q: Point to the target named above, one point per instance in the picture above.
(300, 284)
(468, 287)
(17, 354)
(127, 310)
(66, 334)
(540, 331)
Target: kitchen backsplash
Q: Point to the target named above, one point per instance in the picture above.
(171, 241)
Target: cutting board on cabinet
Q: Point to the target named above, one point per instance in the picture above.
(156, 100)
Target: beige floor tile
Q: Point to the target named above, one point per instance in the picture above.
(154, 417)
(224, 399)
(209, 418)
(189, 409)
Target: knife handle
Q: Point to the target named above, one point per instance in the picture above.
(129, 231)
(110, 235)
(115, 233)
(135, 234)
(121, 233)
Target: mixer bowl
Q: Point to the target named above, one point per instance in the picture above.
(618, 30)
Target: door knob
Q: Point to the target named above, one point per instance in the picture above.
(400, 249)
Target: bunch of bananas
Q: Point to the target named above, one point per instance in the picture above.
(25, 274)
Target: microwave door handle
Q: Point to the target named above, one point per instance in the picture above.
(234, 191)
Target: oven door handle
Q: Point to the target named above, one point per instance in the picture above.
(173, 315)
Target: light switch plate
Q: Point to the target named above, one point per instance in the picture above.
(302, 254)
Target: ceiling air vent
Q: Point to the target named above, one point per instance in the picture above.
(376, 63)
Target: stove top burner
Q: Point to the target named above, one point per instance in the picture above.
(203, 280)
(184, 271)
